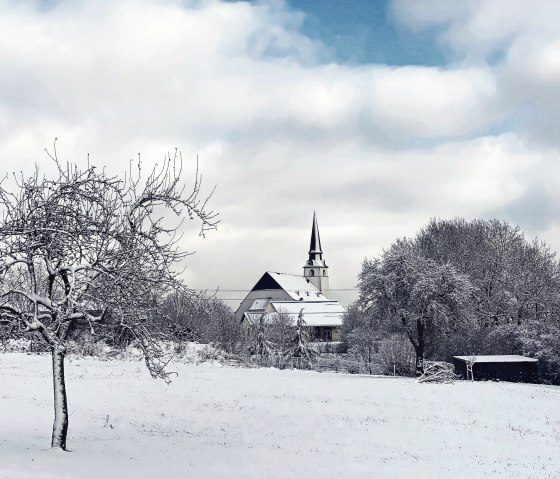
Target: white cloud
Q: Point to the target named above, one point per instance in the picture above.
(519, 39)
(376, 150)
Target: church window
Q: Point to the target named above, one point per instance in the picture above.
(311, 273)
(324, 272)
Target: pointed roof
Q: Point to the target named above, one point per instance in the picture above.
(315, 244)
(296, 287)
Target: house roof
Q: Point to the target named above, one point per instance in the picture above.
(500, 358)
(258, 304)
(315, 313)
(298, 287)
(324, 313)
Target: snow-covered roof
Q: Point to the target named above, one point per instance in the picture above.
(315, 313)
(501, 358)
(258, 304)
(325, 313)
(298, 287)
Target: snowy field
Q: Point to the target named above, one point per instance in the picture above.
(260, 423)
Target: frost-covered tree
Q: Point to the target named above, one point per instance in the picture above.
(517, 288)
(200, 318)
(515, 300)
(360, 332)
(83, 246)
(280, 329)
(262, 345)
(301, 339)
(414, 293)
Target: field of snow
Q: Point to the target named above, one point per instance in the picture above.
(265, 423)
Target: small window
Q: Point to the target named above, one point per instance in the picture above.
(324, 272)
(311, 273)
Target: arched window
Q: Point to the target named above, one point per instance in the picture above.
(311, 273)
(324, 272)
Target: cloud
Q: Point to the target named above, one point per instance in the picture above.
(536, 209)
(283, 131)
(519, 40)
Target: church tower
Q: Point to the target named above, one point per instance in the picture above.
(315, 268)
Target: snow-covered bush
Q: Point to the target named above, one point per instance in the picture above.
(395, 355)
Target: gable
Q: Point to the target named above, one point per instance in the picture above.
(266, 282)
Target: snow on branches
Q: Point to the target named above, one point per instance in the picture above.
(85, 245)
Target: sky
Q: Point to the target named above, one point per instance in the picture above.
(377, 115)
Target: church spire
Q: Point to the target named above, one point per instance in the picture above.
(315, 251)
(315, 269)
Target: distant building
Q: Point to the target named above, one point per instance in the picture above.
(505, 367)
(290, 293)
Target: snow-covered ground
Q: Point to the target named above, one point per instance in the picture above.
(260, 423)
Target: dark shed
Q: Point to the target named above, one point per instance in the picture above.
(502, 368)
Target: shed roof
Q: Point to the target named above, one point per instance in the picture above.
(499, 358)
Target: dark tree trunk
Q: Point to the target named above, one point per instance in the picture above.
(419, 364)
(419, 348)
(60, 426)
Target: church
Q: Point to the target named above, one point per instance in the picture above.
(290, 293)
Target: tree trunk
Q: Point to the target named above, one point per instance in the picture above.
(420, 326)
(60, 426)
(419, 364)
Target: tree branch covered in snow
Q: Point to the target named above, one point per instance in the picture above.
(85, 246)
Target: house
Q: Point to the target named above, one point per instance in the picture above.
(289, 294)
(504, 367)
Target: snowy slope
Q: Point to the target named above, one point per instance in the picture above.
(258, 423)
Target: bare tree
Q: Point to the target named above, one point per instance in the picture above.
(84, 246)
(470, 364)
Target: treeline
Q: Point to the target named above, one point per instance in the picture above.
(180, 317)
(460, 288)
(185, 317)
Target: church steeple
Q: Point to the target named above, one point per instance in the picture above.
(315, 251)
(315, 268)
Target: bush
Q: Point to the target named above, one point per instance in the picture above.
(395, 355)
(87, 345)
